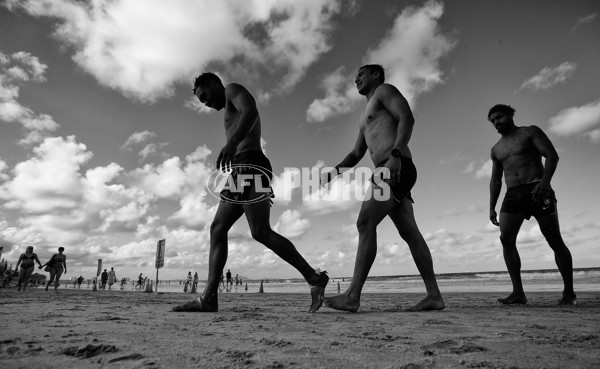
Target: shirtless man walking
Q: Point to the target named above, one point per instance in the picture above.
(243, 155)
(385, 129)
(518, 155)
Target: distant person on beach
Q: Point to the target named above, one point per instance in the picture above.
(243, 155)
(518, 155)
(237, 280)
(188, 282)
(222, 280)
(112, 278)
(104, 279)
(79, 281)
(196, 279)
(140, 281)
(58, 266)
(385, 130)
(27, 265)
(229, 281)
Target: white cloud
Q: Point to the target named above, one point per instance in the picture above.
(479, 169)
(413, 70)
(548, 77)
(582, 120)
(585, 20)
(145, 56)
(290, 224)
(340, 96)
(137, 138)
(15, 70)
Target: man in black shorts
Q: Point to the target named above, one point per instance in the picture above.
(385, 129)
(518, 155)
(247, 191)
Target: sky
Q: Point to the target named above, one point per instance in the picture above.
(105, 151)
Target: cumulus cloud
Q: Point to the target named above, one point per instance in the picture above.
(15, 70)
(578, 121)
(145, 57)
(104, 210)
(549, 77)
(413, 71)
(291, 224)
(340, 97)
(479, 169)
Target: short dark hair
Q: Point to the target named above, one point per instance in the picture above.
(61, 249)
(375, 68)
(502, 108)
(205, 79)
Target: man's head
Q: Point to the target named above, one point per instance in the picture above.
(209, 89)
(61, 249)
(501, 116)
(29, 249)
(369, 77)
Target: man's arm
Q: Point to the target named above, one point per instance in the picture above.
(19, 262)
(36, 259)
(244, 103)
(398, 107)
(360, 148)
(546, 149)
(495, 187)
(396, 104)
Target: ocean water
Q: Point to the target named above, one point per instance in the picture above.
(585, 279)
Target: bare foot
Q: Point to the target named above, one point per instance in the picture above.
(429, 303)
(342, 302)
(514, 298)
(317, 290)
(568, 299)
(200, 305)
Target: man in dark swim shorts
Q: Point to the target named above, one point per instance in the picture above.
(254, 166)
(242, 155)
(385, 130)
(408, 178)
(518, 156)
(518, 200)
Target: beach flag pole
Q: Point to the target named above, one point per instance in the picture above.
(160, 258)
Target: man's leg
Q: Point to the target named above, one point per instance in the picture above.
(551, 230)
(258, 215)
(371, 213)
(28, 273)
(227, 214)
(404, 219)
(509, 229)
(59, 273)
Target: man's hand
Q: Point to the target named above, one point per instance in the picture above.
(494, 217)
(395, 166)
(540, 190)
(226, 156)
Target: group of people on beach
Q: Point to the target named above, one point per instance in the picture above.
(384, 131)
(56, 266)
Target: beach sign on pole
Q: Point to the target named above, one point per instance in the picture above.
(160, 254)
(160, 258)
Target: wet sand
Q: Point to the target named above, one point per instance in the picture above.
(98, 329)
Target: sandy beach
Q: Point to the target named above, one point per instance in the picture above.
(97, 329)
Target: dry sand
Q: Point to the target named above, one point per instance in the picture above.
(98, 329)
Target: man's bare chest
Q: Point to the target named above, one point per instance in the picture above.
(512, 147)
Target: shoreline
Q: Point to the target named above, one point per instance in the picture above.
(96, 329)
